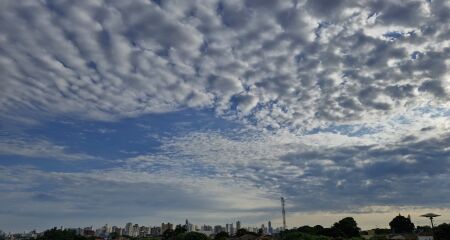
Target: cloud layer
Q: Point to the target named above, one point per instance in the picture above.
(276, 64)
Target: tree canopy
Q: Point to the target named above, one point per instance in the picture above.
(221, 235)
(194, 236)
(442, 232)
(401, 224)
(241, 232)
(57, 234)
(348, 226)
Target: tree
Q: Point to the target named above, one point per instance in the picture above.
(242, 232)
(442, 232)
(57, 234)
(401, 224)
(168, 234)
(311, 230)
(2, 235)
(113, 235)
(296, 235)
(195, 236)
(332, 232)
(307, 229)
(221, 236)
(348, 226)
(179, 229)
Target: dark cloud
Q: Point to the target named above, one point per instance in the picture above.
(358, 176)
(434, 87)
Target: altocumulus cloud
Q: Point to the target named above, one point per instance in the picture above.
(344, 104)
(286, 63)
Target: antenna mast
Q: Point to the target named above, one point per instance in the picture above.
(283, 212)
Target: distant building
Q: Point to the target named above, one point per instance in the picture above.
(269, 228)
(206, 228)
(88, 232)
(135, 230)
(128, 229)
(229, 228)
(264, 229)
(117, 230)
(238, 225)
(155, 231)
(218, 229)
(166, 226)
(144, 231)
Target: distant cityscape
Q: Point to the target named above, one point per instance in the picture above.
(135, 230)
(401, 228)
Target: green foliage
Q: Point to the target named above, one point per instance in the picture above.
(310, 230)
(295, 235)
(382, 231)
(2, 235)
(442, 232)
(56, 234)
(114, 235)
(348, 226)
(401, 224)
(332, 232)
(195, 236)
(180, 234)
(179, 229)
(221, 236)
(242, 232)
(169, 234)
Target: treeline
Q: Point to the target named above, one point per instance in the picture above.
(59, 234)
(346, 228)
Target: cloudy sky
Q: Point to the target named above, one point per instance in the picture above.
(151, 111)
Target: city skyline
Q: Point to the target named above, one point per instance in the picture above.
(160, 110)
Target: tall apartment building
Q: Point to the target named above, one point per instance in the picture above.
(128, 229)
(166, 226)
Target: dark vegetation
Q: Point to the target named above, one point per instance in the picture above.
(54, 234)
(347, 228)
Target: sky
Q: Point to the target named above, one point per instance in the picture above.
(151, 111)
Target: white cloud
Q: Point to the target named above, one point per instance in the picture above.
(37, 148)
(303, 66)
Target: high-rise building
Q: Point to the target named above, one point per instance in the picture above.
(165, 227)
(218, 229)
(269, 228)
(238, 225)
(128, 229)
(155, 231)
(135, 230)
(229, 228)
(117, 230)
(206, 228)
